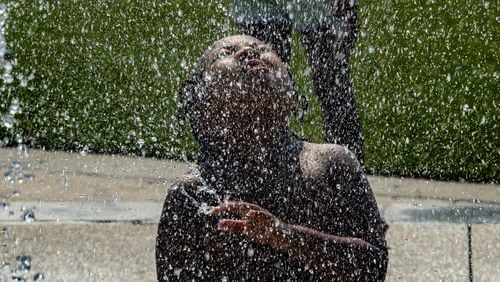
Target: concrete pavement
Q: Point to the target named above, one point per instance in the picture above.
(95, 219)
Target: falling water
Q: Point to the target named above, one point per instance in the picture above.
(14, 174)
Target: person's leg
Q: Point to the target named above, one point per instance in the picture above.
(328, 46)
(275, 30)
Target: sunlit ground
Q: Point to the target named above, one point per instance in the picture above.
(95, 218)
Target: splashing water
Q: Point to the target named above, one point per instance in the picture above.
(28, 215)
(14, 173)
(39, 277)
(23, 266)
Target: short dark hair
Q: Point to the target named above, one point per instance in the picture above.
(189, 94)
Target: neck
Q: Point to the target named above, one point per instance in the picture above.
(244, 155)
(247, 178)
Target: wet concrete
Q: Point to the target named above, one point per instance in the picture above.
(478, 214)
(96, 219)
(83, 252)
(66, 212)
(404, 189)
(485, 243)
(428, 252)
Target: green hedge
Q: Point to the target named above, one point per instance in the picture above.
(106, 75)
(427, 78)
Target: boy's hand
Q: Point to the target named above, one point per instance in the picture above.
(258, 224)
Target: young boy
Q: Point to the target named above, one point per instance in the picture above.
(261, 206)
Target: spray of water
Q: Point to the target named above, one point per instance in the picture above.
(14, 174)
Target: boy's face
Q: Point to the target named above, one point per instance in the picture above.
(243, 64)
(246, 85)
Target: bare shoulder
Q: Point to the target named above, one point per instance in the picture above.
(336, 169)
(327, 160)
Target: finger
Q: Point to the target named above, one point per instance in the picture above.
(233, 225)
(258, 216)
(227, 207)
(262, 219)
(237, 207)
(243, 205)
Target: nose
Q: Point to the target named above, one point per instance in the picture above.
(247, 53)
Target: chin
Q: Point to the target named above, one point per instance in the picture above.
(262, 84)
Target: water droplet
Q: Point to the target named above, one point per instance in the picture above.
(23, 263)
(14, 106)
(4, 205)
(84, 151)
(205, 209)
(23, 82)
(39, 277)
(177, 272)
(5, 232)
(140, 142)
(28, 215)
(7, 121)
(8, 78)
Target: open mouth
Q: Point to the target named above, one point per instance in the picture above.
(256, 66)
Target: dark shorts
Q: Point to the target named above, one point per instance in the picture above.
(299, 11)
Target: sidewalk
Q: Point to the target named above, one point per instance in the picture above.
(96, 216)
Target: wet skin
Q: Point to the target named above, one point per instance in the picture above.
(247, 90)
(306, 211)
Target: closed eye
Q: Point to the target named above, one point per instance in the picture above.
(224, 52)
(264, 49)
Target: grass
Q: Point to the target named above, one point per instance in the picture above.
(106, 75)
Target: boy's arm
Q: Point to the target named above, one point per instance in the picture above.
(363, 256)
(361, 252)
(177, 256)
(329, 256)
